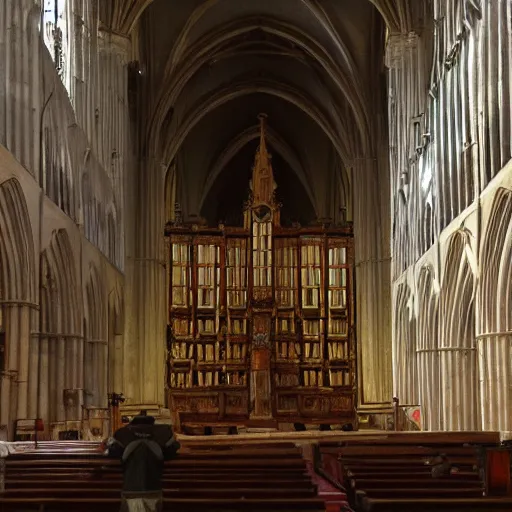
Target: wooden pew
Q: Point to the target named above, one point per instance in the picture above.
(381, 473)
(174, 483)
(201, 492)
(242, 478)
(84, 503)
(484, 504)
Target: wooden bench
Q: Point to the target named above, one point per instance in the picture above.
(377, 474)
(174, 483)
(84, 503)
(241, 478)
(435, 504)
(234, 492)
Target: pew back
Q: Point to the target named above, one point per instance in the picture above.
(396, 473)
(253, 478)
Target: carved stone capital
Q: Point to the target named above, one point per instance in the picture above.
(117, 44)
(396, 47)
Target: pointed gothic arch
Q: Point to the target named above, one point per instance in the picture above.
(17, 297)
(276, 142)
(17, 280)
(459, 375)
(495, 322)
(428, 350)
(61, 347)
(405, 371)
(96, 350)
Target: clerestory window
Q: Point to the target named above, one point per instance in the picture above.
(56, 35)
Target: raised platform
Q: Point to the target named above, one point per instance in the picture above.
(298, 438)
(312, 437)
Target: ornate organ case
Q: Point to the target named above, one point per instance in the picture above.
(261, 325)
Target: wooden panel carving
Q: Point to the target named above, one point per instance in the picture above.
(342, 403)
(315, 405)
(196, 404)
(236, 404)
(287, 404)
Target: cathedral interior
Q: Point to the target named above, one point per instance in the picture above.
(255, 214)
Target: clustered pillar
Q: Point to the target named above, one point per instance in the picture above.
(15, 398)
(372, 253)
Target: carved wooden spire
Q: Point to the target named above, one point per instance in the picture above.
(263, 184)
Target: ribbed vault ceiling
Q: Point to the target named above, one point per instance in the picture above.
(210, 66)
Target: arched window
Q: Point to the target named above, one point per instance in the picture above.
(56, 35)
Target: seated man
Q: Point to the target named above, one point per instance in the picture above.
(143, 447)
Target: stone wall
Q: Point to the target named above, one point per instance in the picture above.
(63, 157)
(450, 141)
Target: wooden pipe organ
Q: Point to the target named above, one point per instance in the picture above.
(261, 325)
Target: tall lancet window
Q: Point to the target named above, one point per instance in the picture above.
(56, 35)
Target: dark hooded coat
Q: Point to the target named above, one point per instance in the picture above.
(143, 447)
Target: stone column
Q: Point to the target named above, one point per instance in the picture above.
(20, 86)
(145, 347)
(116, 157)
(14, 396)
(495, 367)
(116, 377)
(43, 407)
(373, 285)
(23, 367)
(378, 186)
(112, 135)
(33, 386)
(494, 320)
(112, 143)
